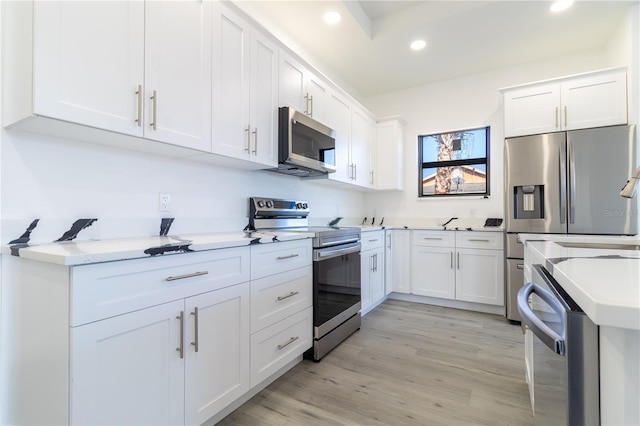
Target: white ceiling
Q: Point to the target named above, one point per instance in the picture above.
(369, 48)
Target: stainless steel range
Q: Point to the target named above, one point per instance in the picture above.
(336, 269)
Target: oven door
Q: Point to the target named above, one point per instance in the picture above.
(336, 286)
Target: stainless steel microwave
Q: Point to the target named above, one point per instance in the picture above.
(305, 146)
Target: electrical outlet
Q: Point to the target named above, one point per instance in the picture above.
(165, 201)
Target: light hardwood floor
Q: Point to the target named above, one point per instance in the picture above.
(409, 364)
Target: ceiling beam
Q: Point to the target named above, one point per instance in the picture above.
(360, 16)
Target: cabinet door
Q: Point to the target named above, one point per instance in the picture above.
(264, 100)
(126, 369)
(366, 270)
(231, 80)
(292, 89)
(178, 73)
(318, 97)
(376, 282)
(389, 150)
(432, 272)
(594, 101)
(89, 62)
(360, 138)
(339, 119)
(400, 262)
(216, 351)
(532, 110)
(480, 276)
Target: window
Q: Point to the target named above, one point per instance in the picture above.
(454, 163)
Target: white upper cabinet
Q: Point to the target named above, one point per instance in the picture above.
(245, 90)
(88, 63)
(339, 119)
(199, 76)
(301, 89)
(136, 68)
(388, 154)
(594, 100)
(360, 146)
(292, 84)
(177, 84)
(589, 100)
(318, 97)
(354, 128)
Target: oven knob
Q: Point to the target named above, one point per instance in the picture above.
(261, 204)
(269, 204)
(298, 205)
(304, 205)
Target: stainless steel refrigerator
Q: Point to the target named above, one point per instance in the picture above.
(566, 182)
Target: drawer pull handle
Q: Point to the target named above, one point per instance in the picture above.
(520, 266)
(181, 277)
(432, 238)
(291, 340)
(180, 348)
(293, 293)
(195, 328)
(287, 257)
(478, 240)
(373, 241)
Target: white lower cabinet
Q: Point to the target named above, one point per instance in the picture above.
(275, 346)
(162, 340)
(188, 356)
(432, 272)
(480, 276)
(398, 261)
(458, 265)
(216, 351)
(128, 362)
(281, 306)
(372, 270)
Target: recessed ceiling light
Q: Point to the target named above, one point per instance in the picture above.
(418, 44)
(332, 18)
(560, 5)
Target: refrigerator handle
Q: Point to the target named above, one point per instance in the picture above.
(572, 182)
(563, 183)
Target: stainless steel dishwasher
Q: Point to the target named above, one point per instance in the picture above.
(566, 383)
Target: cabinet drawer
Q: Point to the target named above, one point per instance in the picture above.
(433, 238)
(270, 259)
(372, 240)
(481, 240)
(104, 290)
(275, 346)
(276, 297)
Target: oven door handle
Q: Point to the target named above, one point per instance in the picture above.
(553, 340)
(329, 253)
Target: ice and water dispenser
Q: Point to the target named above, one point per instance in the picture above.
(528, 202)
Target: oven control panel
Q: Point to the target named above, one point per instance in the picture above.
(274, 207)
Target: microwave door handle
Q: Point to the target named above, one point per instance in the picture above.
(553, 340)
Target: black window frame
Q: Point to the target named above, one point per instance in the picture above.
(455, 163)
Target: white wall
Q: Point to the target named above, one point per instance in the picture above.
(60, 180)
(472, 101)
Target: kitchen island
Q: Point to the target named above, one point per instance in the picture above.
(602, 275)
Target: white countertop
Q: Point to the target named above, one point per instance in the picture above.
(605, 283)
(85, 252)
